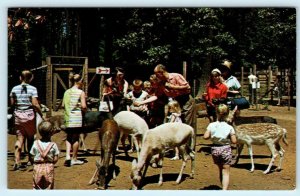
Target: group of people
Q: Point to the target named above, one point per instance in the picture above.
(165, 97)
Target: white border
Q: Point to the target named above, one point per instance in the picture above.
(4, 4)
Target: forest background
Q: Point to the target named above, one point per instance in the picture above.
(139, 38)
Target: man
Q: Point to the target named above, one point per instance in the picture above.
(231, 81)
(175, 86)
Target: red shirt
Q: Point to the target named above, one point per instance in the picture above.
(215, 91)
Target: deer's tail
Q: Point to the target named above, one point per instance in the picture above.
(284, 138)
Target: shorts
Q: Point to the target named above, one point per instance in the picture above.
(72, 135)
(221, 155)
(25, 123)
(43, 176)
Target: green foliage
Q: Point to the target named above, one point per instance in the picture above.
(140, 37)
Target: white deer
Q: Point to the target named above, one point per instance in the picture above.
(261, 134)
(131, 124)
(156, 141)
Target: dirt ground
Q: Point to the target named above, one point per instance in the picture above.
(206, 174)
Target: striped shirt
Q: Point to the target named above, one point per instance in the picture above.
(73, 115)
(22, 94)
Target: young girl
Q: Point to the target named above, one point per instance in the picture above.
(175, 112)
(74, 104)
(221, 135)
(215, 90)
(45, 155)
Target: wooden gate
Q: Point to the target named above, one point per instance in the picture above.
(57, 82)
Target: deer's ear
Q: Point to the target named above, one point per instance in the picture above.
(235, 109)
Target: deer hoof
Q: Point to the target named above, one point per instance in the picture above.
(265, 172)
(101, 188)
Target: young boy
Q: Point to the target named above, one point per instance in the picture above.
(45, 155)
(138, 94)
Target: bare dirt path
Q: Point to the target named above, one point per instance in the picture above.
(206, 176)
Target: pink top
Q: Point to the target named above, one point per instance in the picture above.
(178, 80)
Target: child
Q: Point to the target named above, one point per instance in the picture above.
(221, 135)
(138, 94)
(175, 112)
(147, 86)
(45, 155)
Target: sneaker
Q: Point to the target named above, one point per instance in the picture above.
(67, 163)
(76, 162)
(175, 158)
(16, 166)
(22, 167)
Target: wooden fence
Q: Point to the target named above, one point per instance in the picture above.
(267, 79)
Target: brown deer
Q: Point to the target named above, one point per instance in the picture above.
(108, 136)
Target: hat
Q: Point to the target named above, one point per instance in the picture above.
(216, 70)
(227, 64)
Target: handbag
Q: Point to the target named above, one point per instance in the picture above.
(240, 102)
(103, 106)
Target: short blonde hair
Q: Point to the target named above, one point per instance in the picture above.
(45, 129)
(222, 111)
(160, 68)
(137, 83)
(173, 106)
(147, 84)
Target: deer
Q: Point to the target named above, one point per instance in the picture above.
(261, 133)
(131, 124)
(155, 142)
(108, 136)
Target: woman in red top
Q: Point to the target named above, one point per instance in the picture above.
(215, 89)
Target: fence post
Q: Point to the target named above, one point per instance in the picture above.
(184, 66)
(242, 80)
(85, 75)
(269, 81)
(49, 87)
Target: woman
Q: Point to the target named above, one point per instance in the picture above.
(115, 88)
(215, 90)
(24, 101)
(231, 81)
(74, 104)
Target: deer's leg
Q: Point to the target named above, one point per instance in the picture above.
(281, 154)
(239, 151)
(136, 144)
(192, 166)
(114, 165)
(251, 157)
(184, 159)
(81, 141)
(274, 155)
(160, 181)
(93, 179)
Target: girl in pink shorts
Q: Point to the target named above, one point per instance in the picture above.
(222, 135)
